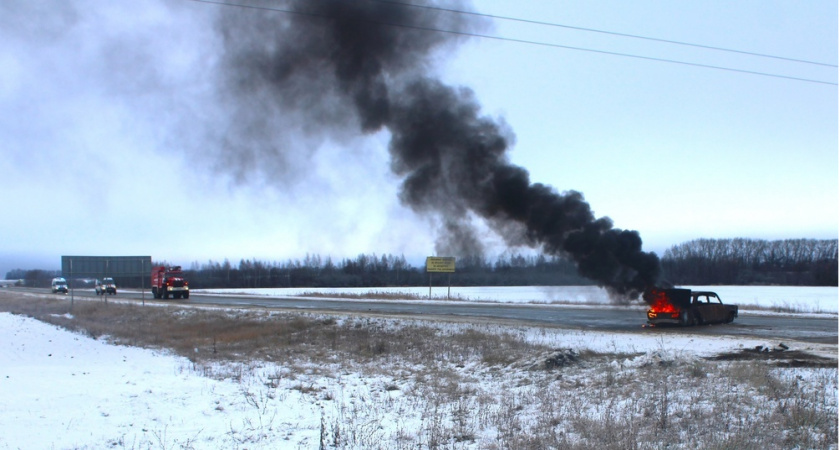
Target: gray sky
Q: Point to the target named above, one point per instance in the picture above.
(105, 146)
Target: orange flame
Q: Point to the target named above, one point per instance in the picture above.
(660, 303)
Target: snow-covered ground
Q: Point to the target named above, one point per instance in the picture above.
(62, 390)
(797, 298)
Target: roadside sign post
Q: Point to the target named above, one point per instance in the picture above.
(72, 288)
(142, 282)
(105, 292)
(440, 264)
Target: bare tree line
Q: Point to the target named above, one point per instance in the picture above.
(753, 261)
(699, 262)
(370, 270)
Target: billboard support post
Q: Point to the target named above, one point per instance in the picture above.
(72, 287)
(105, 296)
(143, 282)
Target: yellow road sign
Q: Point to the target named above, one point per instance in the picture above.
(440, 264)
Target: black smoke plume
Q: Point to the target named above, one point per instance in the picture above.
(364, 65)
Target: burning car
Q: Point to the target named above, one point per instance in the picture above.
(686, 307)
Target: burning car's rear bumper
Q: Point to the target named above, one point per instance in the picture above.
(656, 318)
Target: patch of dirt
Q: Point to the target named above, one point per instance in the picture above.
(780, 356)
(549, 360)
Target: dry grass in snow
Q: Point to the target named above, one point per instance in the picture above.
(242, 378)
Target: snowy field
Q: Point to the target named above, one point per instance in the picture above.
(64, 390)
(805, 299)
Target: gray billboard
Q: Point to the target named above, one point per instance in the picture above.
(105, 266)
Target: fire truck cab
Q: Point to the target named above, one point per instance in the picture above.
(168, 281)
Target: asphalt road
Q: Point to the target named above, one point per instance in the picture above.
(599, 318)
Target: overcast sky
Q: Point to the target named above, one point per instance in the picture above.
(104, 149)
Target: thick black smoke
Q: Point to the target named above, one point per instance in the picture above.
(364, 65)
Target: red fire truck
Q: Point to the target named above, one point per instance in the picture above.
(168, 281)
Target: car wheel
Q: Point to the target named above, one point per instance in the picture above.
(686, 319)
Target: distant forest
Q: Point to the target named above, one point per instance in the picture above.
(798, 262)
(794, 262)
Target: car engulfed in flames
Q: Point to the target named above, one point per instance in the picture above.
(661, 309)
(686, 307)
